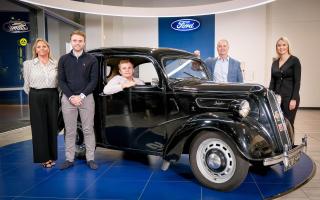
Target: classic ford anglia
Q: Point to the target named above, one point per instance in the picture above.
(224, 128)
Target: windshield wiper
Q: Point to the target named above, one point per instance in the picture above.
(193, 76)
(174, 80)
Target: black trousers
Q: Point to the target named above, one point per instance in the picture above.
(44, 106)
(289, 114)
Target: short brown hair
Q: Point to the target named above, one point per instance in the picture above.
(125, 61)
(78, 32)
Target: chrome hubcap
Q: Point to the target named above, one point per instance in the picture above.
(216, 160)
(213, 161)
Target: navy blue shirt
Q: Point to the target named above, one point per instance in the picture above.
(77, 75)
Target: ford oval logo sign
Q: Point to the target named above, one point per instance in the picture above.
(16, 26)
(185, 24)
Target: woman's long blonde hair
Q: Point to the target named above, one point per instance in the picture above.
(34, 53)
(286, 40)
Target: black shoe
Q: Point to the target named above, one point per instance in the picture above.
(67, 164)
(92, 164)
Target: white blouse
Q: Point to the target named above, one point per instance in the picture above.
(37, 75)
(114, 85)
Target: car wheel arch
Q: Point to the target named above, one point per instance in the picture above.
(177, 146)
(180, 141)
(223, 133)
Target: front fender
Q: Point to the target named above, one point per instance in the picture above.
(250, 137)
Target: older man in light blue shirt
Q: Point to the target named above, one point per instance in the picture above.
(220, 74)
(224, 68)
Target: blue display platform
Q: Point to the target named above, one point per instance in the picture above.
(123, 176)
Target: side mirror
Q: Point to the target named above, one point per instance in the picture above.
(154, 82)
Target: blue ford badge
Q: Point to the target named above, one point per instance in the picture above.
(185, 24)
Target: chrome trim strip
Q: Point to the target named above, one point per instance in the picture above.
(270, 94)
(228, 101)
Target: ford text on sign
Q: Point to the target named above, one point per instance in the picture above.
(185, 24)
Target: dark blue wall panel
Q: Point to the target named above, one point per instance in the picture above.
(12, 54)
(201, 38)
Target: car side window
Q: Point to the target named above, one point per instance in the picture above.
(144, 70)
(107, 71)
(147, 73)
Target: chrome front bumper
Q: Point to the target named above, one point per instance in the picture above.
(289, 157)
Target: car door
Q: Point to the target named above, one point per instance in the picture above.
(135, 117)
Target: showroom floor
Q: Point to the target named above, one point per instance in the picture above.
(13, 117)
(123, 176)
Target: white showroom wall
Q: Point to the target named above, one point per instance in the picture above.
(252, 34)
(135, 30)
(94, 31)
(246, 32)
(300, 22)
(108, 31)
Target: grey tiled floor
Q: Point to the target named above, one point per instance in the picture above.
(307, 122)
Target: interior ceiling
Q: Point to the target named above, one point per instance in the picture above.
(155, 3)
(149, 8)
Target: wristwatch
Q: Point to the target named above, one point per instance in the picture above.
(82, 96)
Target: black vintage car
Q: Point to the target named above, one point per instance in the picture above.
(224, 128)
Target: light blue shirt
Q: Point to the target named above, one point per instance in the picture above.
(220, 74)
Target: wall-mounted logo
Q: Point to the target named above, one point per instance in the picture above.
(23, 42)
(185, 24)
(16, 26)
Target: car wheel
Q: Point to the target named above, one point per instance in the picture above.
(216, 162)
(80, 147)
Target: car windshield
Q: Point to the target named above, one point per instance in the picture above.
(182, 68)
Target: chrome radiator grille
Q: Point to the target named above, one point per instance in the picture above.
(279, 119)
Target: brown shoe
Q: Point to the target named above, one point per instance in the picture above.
(67, 164)
(46, 164)
(92, 164)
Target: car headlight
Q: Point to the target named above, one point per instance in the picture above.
(244, 108)
(240, 108)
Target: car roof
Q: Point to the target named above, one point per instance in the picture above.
(157, 53)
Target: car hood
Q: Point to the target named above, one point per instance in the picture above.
(200, 86)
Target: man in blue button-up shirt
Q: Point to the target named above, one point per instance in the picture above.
(223, 68)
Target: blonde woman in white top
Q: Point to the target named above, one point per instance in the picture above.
(40, 83)
(124, 80)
